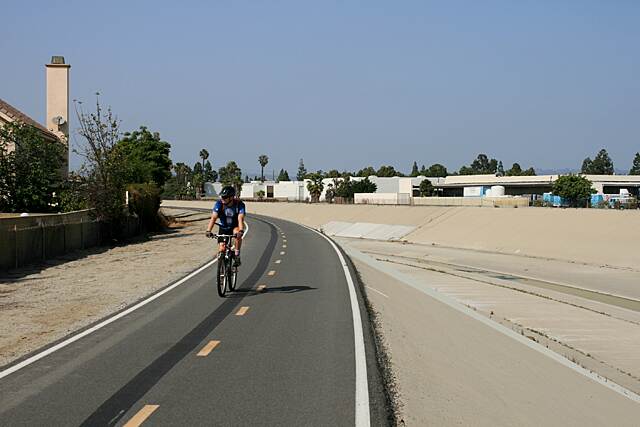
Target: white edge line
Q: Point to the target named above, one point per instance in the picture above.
(362, 385)
(451, 302)
(375, 290)
(105, 322)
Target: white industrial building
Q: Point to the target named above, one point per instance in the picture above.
(401, 190)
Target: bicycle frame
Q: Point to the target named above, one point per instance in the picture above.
(227, 272)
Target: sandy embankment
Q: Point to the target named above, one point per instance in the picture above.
(41, 304)
(600, 237)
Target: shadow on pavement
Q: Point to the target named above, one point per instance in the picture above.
(241, 293)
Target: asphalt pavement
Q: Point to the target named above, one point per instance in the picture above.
(281, 350)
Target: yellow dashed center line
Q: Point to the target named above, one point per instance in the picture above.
(208, 348)
(284, 246)
(141, 416)
(242, 311)
(282, 253)
(271, 273)
(278, 261)
(261, 288)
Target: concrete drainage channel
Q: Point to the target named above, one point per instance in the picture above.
(601, 367)
(615, 300)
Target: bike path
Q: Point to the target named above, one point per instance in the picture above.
(289, 359)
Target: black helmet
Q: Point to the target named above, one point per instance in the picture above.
(228, 191)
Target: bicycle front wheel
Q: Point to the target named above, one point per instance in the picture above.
(222, 276)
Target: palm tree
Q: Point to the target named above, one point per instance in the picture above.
(204, 155)
(315, 187)
(263, 160)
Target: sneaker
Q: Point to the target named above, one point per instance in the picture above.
(236, 261)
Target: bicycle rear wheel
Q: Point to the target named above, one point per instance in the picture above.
(222, 276)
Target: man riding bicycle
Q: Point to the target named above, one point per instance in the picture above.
(231, 212)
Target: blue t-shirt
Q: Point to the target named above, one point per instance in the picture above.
(228, 215)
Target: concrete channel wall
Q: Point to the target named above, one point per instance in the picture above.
(594, 236)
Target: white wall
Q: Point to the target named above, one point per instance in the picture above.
(291, 190)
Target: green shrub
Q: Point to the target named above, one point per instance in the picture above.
(144, 202)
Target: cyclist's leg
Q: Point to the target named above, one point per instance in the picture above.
(238, 245)
(236, 230)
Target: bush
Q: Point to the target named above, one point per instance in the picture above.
(144, 202)
(575, 189)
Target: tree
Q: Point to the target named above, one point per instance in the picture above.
(575, 189)
(315, 186)
(414, 169)
(500, 169)
(183, 173)
(347, 188)
(600, 165)
(515, 170)
(146, 157)
(204, 155)
(635, 169)
(436, 170)
(330, 194)
(482, 165)
(197, 177)
(197, 168)
(333, 173)
(283, 176)
(263, 160)
(302, 171)
(105, 167)
(30, 175)
(426, 188)
(387, 171)
(368, 171)
(199, 180)
(209, 174)
(363, 186)
(231, 175)
(181, 184)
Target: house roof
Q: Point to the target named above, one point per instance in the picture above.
(16, 115)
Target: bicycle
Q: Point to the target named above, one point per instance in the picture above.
(227, 271)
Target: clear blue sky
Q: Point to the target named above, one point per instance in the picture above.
(345, 84)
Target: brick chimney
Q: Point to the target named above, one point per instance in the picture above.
(57, 120)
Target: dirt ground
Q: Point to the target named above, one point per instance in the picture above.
(43, 303)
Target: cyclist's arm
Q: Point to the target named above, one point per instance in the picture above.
(212, 221)
(241, 222)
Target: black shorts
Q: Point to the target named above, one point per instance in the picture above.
(225, 231)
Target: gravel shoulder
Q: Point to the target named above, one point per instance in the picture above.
(43, 303)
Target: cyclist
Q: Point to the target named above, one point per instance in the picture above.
(231, 212)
